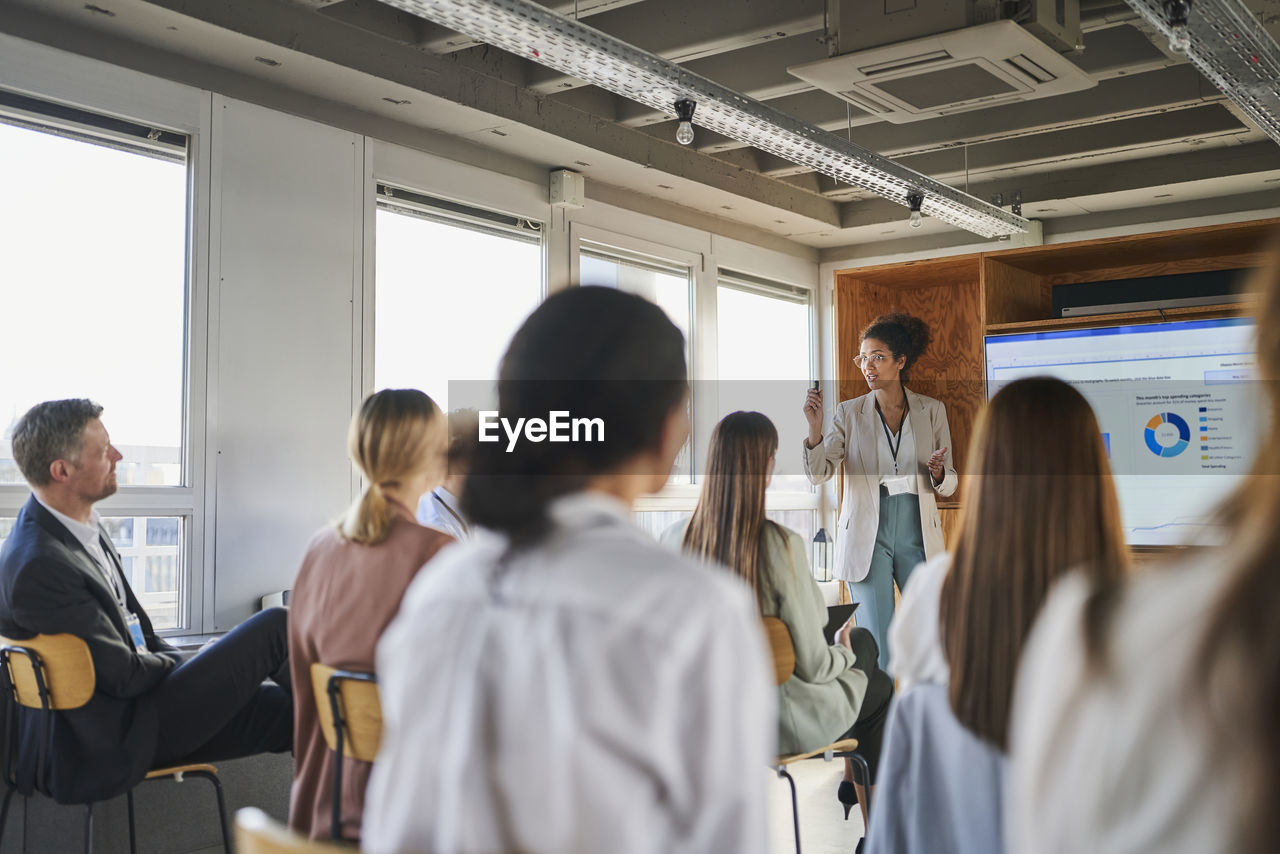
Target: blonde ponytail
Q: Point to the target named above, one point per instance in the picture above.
(390, 436)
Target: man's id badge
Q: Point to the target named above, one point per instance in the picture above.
(135, 632)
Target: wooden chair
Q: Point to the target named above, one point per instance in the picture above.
(784, 664)
(258, 833)
(55, 673)
(350, 714)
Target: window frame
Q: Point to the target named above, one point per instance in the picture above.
(114, 93)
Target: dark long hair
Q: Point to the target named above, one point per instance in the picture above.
(1039, 504)
(1240, 648)
(905, 335)
(728, 525)
(591, 352)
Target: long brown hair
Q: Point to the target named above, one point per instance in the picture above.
(1241, 645)
(729, 525)
(392, 436)
(1040, 503)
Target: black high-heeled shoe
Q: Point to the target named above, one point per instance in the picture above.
(848, 796)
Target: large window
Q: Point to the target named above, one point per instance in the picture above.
(453, 284)
(93, 280)
(765, 358)
(669, 285)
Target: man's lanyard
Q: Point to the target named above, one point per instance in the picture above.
(466, 529)
(893, 449)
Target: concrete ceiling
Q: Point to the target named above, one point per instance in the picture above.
(1152, 131)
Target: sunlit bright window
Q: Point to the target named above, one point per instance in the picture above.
(93, 283)
(667, 284)
(451, 289)
(763, 339)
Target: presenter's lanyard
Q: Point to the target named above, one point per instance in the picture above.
(893, 449)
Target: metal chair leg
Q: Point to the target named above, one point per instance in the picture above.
(133, 837)
(858, 760)
(88, 830)
(795, 806)
(222, 806)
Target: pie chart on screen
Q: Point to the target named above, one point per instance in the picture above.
(1167, 435)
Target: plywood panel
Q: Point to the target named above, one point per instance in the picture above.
(1012, 294)
(951, 370)
(950, 517)
(1168, 247)
(917, 274)
(1161, 267)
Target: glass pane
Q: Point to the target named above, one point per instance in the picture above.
(763, 345)
(670, 292)
(154, 570)
(93, 254)
(448, 301)
(153, 564)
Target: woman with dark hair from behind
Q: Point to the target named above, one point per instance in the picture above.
(837, 690)
(1147, 714)
(351, 582)
(1030, 518)
(562, 683)
(894, 444)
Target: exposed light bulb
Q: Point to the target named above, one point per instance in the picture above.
(1176, 13)
(684, 112)
(915, 200)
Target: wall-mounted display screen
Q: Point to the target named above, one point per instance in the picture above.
(1177, 403)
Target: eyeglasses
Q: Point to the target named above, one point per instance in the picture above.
(875, 359)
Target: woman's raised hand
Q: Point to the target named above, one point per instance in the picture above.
(813, 414)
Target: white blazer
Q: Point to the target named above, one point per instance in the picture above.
(855, 430)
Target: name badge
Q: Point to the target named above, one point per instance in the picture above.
(897, 485)
(135, 632)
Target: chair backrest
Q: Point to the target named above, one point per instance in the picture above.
(358, 706)
(65, 670)
(784, 654)
(258, 833)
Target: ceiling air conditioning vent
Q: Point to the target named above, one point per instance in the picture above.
(969, 69)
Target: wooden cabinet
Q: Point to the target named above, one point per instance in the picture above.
(965, 297)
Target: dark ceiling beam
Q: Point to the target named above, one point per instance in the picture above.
(680, 30)
(758, 71)
(1150, 93)
(294, 28)
(1058, 148)
(1161, 174)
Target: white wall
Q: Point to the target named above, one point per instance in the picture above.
(287, 263)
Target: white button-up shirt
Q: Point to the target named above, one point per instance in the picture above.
(439, 509)
(595, 693)
(1122, 760)
(906, 461)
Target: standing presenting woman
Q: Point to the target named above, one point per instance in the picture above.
(894, 444)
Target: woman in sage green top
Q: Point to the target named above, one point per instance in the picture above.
(837, 690)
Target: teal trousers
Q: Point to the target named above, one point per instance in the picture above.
(899, 549)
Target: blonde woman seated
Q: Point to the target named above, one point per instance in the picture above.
(1041, 504)
(837, 690)
(351, 583)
